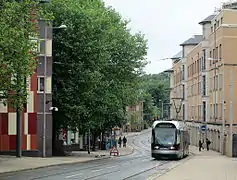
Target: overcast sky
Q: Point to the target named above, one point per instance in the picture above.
(166, 24)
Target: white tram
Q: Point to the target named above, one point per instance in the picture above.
(170, 139)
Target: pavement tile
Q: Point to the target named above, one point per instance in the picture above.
(204, 165)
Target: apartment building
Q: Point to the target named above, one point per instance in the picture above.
(179, 79)
(33, 113)
(210, 75)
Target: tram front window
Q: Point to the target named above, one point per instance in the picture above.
(165, 136)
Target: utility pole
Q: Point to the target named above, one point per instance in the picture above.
(162, 110)
(89, 142)
(18, 120)
(44, 95)
(18, 124)
(231, 116)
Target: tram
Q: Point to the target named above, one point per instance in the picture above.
(169, 139)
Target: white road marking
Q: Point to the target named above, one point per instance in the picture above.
(96, 170)
(73, 175)
(111, 166)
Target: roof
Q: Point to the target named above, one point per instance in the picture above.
(195, 40)
(178, 124)
(178, 55)
(169, 71)
(207, 19)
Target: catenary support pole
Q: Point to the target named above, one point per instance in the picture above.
(231, 115)
(44, 95)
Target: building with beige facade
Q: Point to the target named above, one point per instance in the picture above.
(203, 77)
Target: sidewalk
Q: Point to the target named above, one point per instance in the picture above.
(11, 164)
(205, 165)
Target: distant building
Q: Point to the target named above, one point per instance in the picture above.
(135, 118)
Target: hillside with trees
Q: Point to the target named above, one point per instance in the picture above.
(156, 89)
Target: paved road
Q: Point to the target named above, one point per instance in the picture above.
(139, 166)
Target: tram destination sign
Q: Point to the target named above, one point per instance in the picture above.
(165, 125)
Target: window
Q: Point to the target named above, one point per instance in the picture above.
(216, 113)
(213, 55)
(204, 85)
(218, 23)
(220, 52)
(216, 82)
(195, 67)
(221, 20)
(210, 111)
(183, 72)
(183, 112)
(221, 113)
(214, 108)
(183, 91)
(204, 111)
(204, 59)
(216, 51)
(40, 84)
(42, 46)
(198, 66)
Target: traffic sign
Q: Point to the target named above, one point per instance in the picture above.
(203, 127)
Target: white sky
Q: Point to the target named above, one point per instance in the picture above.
(166, 24)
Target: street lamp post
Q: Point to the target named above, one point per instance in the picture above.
(231, 116)
(45, 75)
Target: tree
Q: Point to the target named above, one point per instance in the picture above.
(18, 48)
(100, 64)
(156, 90)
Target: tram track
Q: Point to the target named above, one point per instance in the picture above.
(128, 159)
(146, 170)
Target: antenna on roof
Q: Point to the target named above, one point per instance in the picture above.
(216, 10)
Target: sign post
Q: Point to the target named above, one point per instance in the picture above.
(113, 145)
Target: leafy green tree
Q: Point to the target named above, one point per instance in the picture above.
(18, 48)
(156, 90)
(100, 65)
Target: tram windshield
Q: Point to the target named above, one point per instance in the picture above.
(165, 136)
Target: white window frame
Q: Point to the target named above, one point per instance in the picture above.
(38, 84)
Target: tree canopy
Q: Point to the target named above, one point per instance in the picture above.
(155, 91)
(97, 67)
(18, 48)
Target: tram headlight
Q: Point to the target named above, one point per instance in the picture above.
(156, 147)
(172, 148)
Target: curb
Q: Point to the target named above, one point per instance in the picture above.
(52, 165)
